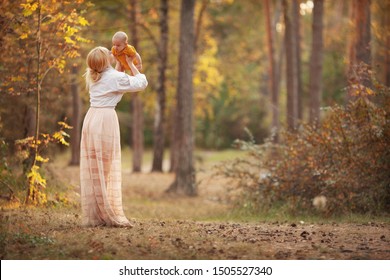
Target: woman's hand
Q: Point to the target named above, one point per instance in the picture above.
(133, 68)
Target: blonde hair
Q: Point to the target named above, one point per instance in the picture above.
(97, 61)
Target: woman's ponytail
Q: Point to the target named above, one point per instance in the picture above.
(91, 76)
(97, 62)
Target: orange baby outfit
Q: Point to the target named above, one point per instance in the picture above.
(129, 51)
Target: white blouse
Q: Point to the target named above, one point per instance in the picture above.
(108, 91)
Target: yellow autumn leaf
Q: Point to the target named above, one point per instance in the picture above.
(69, 40)
(17, 79)
(28, 9)
(23, 36)
(83, 21)
(41, 159)
(64, 142)
(72, 54)
(70, 30)
(61, 65)
(57, 135)
(83, 40)
(65, 125)
(369, 91)
(34, 6)
(35, 177)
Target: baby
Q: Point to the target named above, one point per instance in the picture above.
(124, 53)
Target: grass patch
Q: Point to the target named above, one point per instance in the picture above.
(281, 215)
(203, 158)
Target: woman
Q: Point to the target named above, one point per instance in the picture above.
(100, 162)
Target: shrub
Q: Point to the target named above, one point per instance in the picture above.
(343, 165)
(10, 183)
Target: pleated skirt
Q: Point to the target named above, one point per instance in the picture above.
(100, 169)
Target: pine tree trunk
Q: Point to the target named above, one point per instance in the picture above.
(297, 35)
(387, 45)
(272, 73)
(363, 34)
(185, 172)
(159, 120)
(136, 102)
(291, 69)
(316, 62)
(387, 56)
(76, 120)
(360, 50)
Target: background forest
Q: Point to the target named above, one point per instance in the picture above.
(301, 85)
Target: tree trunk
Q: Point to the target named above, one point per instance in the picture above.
(29, 131)
(136, 102)
(291, 69)
(360, 50)
(362, 28)
(199, 24)
(297, 35)
(31, 190)
(386, 24)
(137, 135)
(185, 172)
(387, 54)
(76, 119)
(272, 73)
(316, 63)
(281, 53)
(159, 119)
(29, 121)
(174, 136)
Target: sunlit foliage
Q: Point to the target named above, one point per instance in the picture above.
(37, 37)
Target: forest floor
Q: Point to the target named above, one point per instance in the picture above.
(169, 227)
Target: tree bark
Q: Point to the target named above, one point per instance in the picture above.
(76, 119)
(199, 24)
(174, 151)
(360, 49)
(272, 74)
(387, 53)
(291, 69)
(136, 102)
(297, 35)
(363, 34)
(159, 119)
(185, 172)
(315, 87)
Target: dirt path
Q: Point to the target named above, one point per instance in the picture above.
(166, 227)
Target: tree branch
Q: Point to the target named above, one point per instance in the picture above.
(151, 36)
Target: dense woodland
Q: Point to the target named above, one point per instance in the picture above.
(222, 73)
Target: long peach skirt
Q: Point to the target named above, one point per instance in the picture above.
(100, 169)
